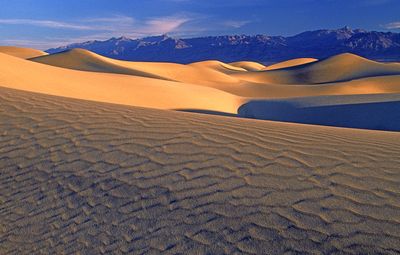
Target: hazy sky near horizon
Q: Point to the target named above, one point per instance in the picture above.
(48, 23)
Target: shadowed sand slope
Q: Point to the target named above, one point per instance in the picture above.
(21, 52)
(91, 178)
(379, 111)
(290, 63)
(112, 88)
(343, 67)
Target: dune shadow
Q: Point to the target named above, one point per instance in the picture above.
(369, 115)
(208, 112)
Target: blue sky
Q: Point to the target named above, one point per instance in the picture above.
(47, 23)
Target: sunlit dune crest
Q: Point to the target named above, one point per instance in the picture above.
(248, 65)
(290, 63)
(339, 68)
(21, 52)
(207, 72)
(218, 65)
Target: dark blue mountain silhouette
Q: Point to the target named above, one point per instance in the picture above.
(382, 46)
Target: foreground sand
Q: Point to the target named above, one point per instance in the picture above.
(93, 178)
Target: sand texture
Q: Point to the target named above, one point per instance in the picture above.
(80, 177)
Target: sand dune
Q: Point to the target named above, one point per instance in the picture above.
(370, 85)
(218, 66)
(84, 60)
(212, 86)
(290, 63)
(21, 52)
(204, 73)
(340, 68)
(379, 111)
(221, 76)
(343, 67)
(248, 65)
(112, 88)
(93, 178)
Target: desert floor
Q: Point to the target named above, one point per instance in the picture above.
(94, 159)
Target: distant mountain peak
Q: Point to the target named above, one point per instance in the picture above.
(121, 38)
(124, 38)
(156, 38)
(262, 48)
(346, 28)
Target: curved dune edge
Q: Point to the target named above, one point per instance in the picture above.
(290, 63)
(218, 65)
(113, 88)
(258, 84)
(248, 65)
(19, 52)
(203, 73)
(339, 68)
(85, 177)
(369, 85)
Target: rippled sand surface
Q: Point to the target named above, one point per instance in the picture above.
(81, 177)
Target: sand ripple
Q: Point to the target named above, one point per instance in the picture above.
(91, 178)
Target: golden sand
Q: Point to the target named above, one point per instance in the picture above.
(24, 53)
(290, 63)
(87, 167)
(86, 177)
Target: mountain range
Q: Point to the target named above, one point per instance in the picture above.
(381, 46)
